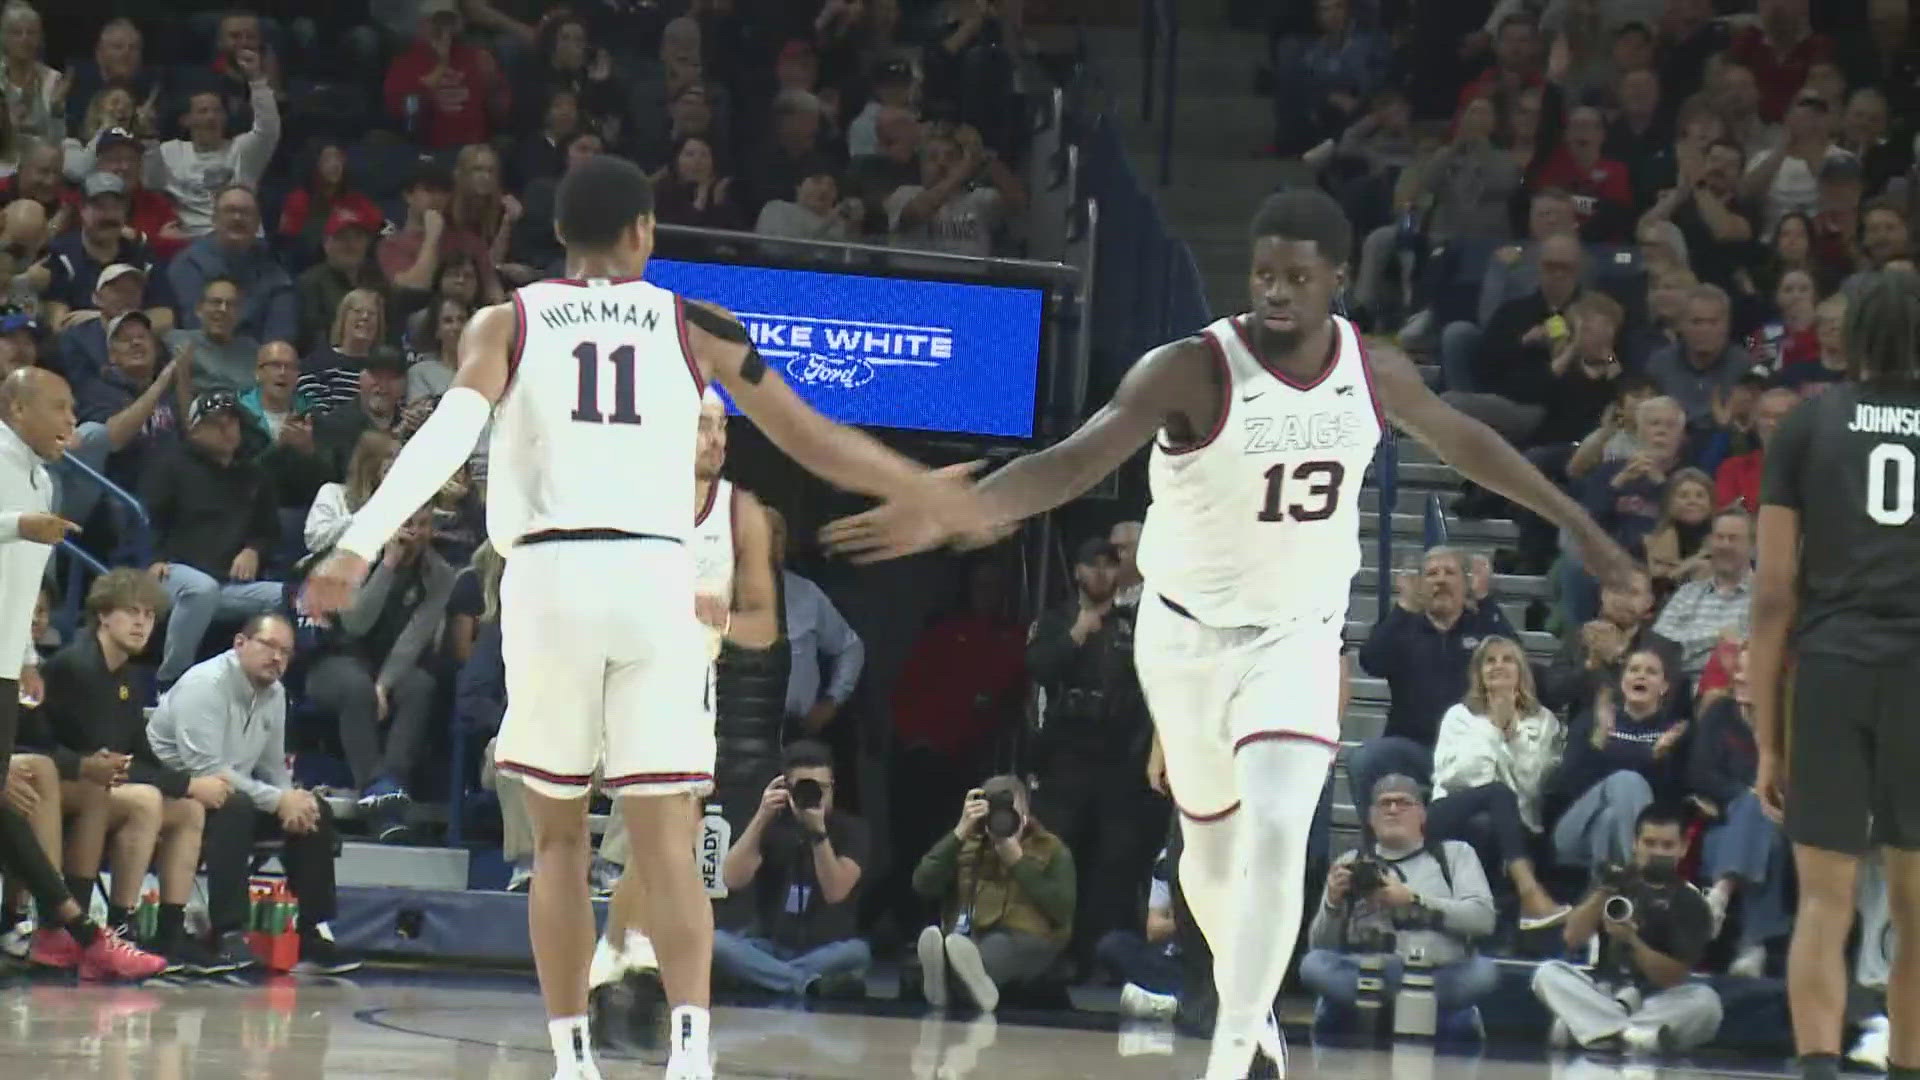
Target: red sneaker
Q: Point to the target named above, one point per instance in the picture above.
(53, 947)
(112, 958)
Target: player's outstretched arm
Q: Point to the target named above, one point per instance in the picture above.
(1485, 458)
(439, 448)
(840, 455)
(1164, 388)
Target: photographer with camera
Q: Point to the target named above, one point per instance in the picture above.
(1093, 744)
(805, 861)
(1404, 902)
(1005, 886)
(1638, 996)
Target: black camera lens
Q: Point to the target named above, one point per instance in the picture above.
(805, 794)
(1002, 819)
(1618, 908)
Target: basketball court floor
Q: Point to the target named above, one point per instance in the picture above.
(440, 1026)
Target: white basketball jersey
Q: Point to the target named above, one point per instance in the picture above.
(596, 430)
(1259, 524)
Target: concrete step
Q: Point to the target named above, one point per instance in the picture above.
(1539, 644)
(1511, 586)
(1408, 499)
(1414, 526)
(1429, 475)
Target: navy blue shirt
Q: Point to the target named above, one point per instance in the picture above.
(1426, 667)
(74, 272)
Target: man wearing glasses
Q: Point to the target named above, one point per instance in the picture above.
(227, 717)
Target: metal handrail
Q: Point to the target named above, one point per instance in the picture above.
(1434, 527)
(143, 546)
(1159, 64)
(920, 258)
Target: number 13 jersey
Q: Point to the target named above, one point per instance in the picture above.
(1258, 524)
(598, 425)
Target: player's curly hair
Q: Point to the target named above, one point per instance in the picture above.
(1883, 331)
(1306, 214)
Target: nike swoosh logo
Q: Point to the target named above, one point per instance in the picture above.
(1343, 390)
(1250, 397)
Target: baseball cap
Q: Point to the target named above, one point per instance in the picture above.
(346, 217)
(1399, 784)
(115, 272)
(113, 137)
(430, 8)
(385, 360)
(103, 183)
(1094, 549)
(1841, 167)
(212, 403)
(136, 315)
(17, 319)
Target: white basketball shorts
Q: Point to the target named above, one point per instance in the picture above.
(607, 670)
(1213, 690)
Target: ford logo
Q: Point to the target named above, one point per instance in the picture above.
(843, 372)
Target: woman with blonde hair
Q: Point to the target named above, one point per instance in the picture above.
(113, 107)
(1676, 548)
(334, 504)
(482, 209)
(332, 371)
(1495, 751)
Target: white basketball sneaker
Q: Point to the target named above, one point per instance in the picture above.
(608, 964)
(690, 1057)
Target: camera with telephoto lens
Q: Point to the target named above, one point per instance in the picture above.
(806, 794)
(1002, 819)
(1615, 877)
(1369, 876)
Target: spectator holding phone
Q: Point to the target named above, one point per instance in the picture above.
(1005, 886)
(804, 859)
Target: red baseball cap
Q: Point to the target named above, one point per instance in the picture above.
(346, 217)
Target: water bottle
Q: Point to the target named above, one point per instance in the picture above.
(1415, 1012)
(716, 836)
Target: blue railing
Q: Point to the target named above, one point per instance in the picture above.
(138, 538)
(1160, 48)
(1434, 527)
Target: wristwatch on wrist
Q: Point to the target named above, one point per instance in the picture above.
(817, 837)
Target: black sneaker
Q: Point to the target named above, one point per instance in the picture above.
(229, 953)
(320, 956)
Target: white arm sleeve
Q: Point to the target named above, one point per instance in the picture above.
(445, 441)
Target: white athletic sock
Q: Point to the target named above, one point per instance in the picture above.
(1280, 782)
(638, 954)
(609, 963)
(688, 1033)
(572, 1049)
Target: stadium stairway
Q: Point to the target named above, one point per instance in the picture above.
(1421, 475)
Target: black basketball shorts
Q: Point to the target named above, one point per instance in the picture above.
(1853, 757)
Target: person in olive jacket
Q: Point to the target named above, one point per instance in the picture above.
(1005, 886)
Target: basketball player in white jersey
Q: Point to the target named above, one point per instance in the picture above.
(594, 384)
(736, 600)
(1262, 428)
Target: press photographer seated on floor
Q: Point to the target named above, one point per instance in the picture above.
(804, 860)
(1639, 995)
(1401, 904)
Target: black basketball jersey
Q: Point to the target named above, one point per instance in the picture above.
(1849, 462)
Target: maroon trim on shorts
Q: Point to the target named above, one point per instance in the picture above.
(638, 779)
(1297, 736)
(564, 779)
(1203, 819)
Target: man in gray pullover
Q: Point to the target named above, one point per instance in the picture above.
(1432, 910)
(227, 717)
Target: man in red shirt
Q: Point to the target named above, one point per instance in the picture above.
(1738, 479)
(1516, 60)
(1601, 189)
(448, 92)
(1780, 51)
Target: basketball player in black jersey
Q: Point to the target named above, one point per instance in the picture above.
(1836, 609)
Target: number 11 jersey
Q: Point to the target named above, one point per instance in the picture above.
(597, 428)
(1847, 462)
(1258, 524)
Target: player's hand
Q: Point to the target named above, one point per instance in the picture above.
(972, 813)
(331, 586)
(1605, 559)
(45, 528)
(938, 506)
(1770, 786)
(711, 610)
